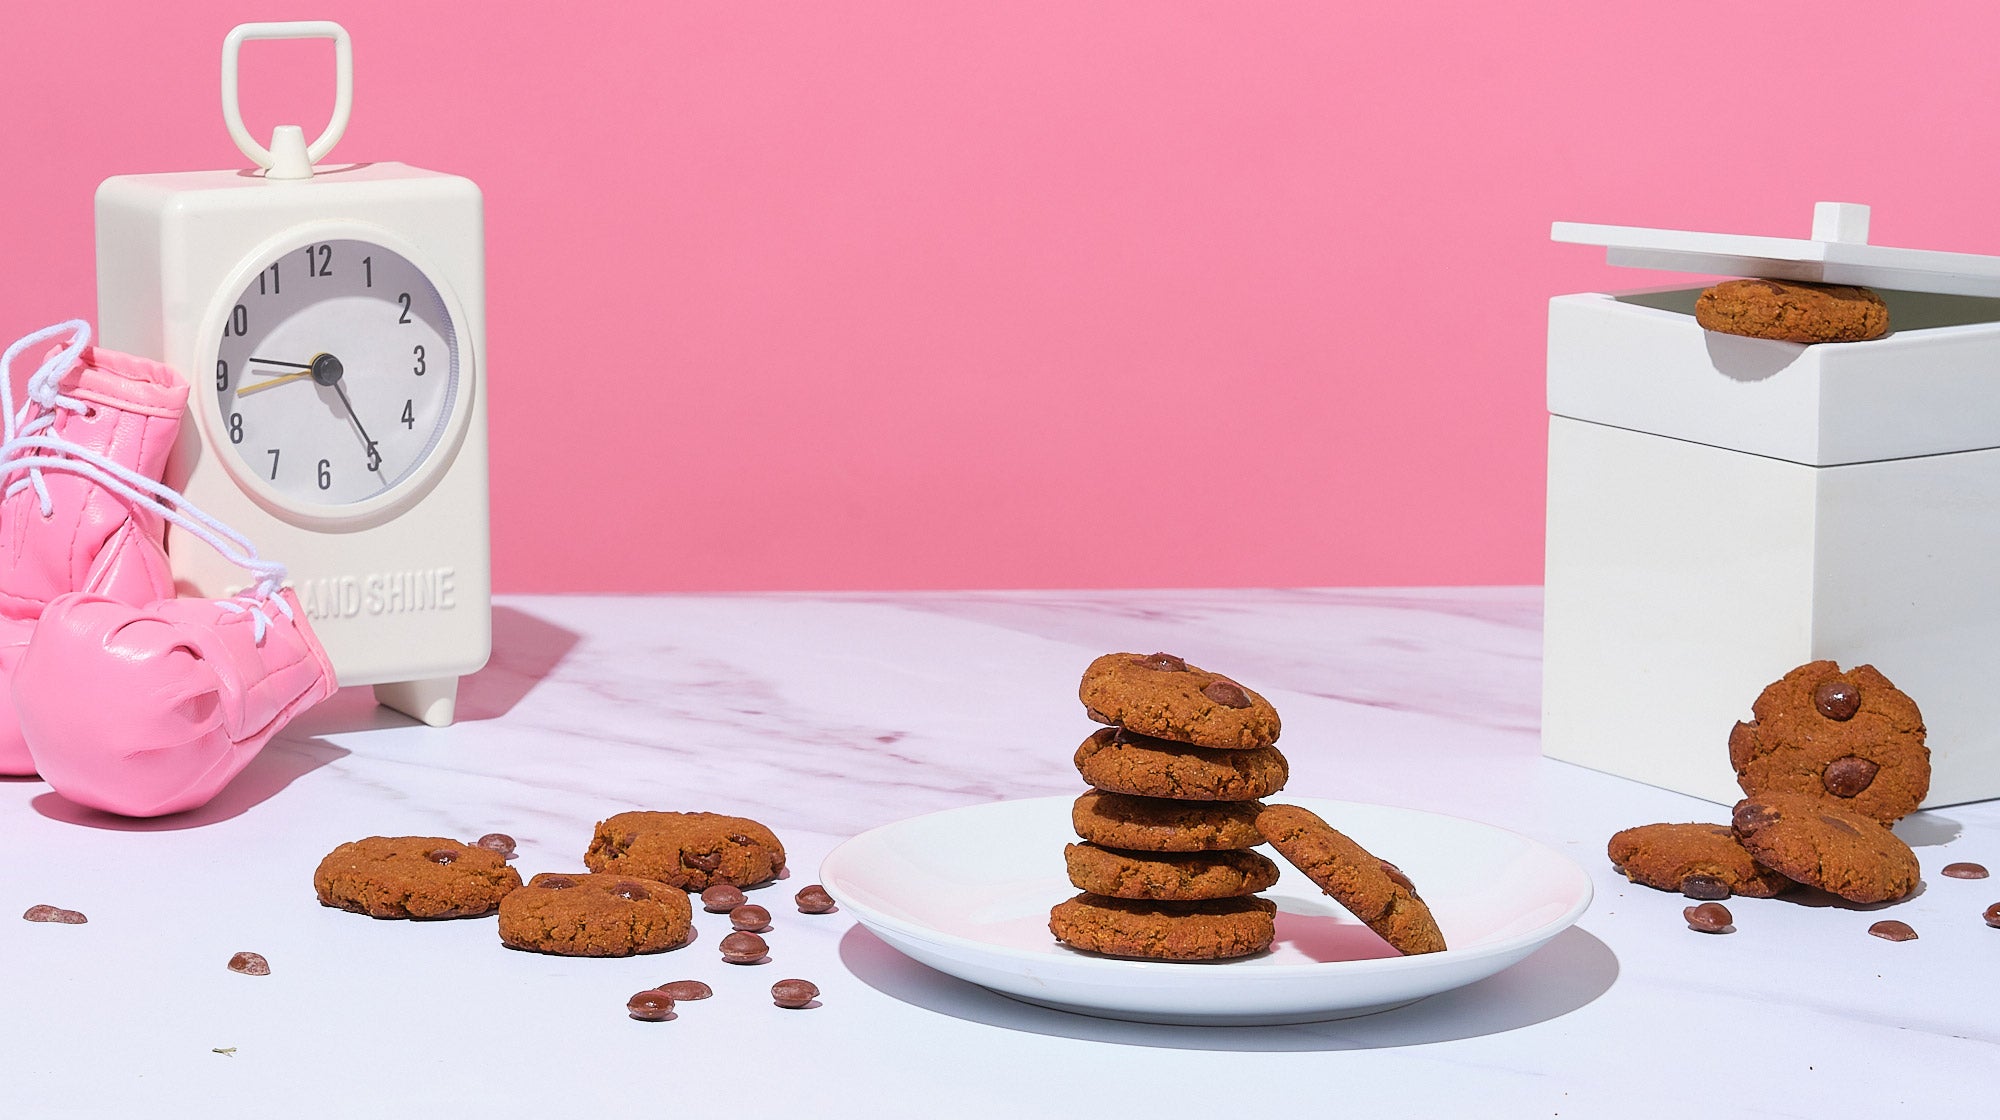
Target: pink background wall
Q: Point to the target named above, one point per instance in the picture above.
(928, 294)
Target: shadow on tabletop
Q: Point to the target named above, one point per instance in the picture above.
(1568, 973)
(526, 649)
(281, 762)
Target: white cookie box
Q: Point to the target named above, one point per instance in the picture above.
(1723, 509)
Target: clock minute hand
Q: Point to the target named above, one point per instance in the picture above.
(275, 362)
(374, 456)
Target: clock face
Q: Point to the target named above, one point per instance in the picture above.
(336, 373)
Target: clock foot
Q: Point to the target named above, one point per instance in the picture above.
(434, 701)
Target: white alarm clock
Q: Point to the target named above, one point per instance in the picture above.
(330, 320)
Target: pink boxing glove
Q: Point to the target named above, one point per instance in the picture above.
(62, 531)
(144, 711)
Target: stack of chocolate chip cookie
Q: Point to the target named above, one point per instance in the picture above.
(1166, 865)
(1829, 761)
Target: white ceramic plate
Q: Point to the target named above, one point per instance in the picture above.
(968, 891)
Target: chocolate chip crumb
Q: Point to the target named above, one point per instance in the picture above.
(47, 913)
(1889, 929)
(687, 989)
(1709, 917)
(250, 964)
(1964, 871)
(795, 994)
(651, 1006)
(744, 948)
(813, 899)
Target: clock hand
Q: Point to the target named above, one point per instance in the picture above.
(374, 456)
(259, 387)
(274, 362)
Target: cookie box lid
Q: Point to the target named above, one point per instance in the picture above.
(1640, 361)
(1837, 253)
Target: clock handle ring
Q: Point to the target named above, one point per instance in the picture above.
(343, 90)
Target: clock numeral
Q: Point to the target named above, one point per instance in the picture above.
(319, 260)
(273, 453)
(221, 376)
(374, 458)
(236, 427)
(325, 474)
(404, 299)
(239, 322)
(368, 272)
(420, 361)
(409, 414)
(273, 271)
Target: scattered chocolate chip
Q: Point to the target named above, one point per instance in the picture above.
(687, 989)
(744, 948)
(721, 898)
(1161, 663)
(1837, 699)
(1705, 887)
(46, 913)
(1229, 694)
(1709, 917)
(701, 861)
(813, 899)
(651, 1006)
(553, 882)
(1848, 775)
(442, 855)
(1889, 929)
(631, 891)
(1992, 915)
(794, 993)
(1831, 821)
(1964, 871)
(750, 918)
(497, 842)
(250, 964)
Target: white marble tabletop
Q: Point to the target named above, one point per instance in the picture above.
(826, 715)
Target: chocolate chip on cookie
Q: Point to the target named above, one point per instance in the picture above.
(1372, 888)
(1165, 697)
(1174, 931)
(596, 916)
(1126, 762)
(1703, 861)
(1152, 824)
(1851, 737)
(692, 851)
(414, 877)
(1171, 876)
(1816, 841)
(1792, 311)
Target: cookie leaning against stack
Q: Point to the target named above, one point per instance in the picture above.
(1166, 866)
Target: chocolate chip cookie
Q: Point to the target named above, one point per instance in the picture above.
(1171, 931)
(1152, 824)
(692, 851)
(1372, 888)
(1850, 737)
(413, 877)
(1126, 762)
(595, 916)
(1165, 697)
(1792, 311)
(1171, 876)
(1699, 860)
(1808, 838)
